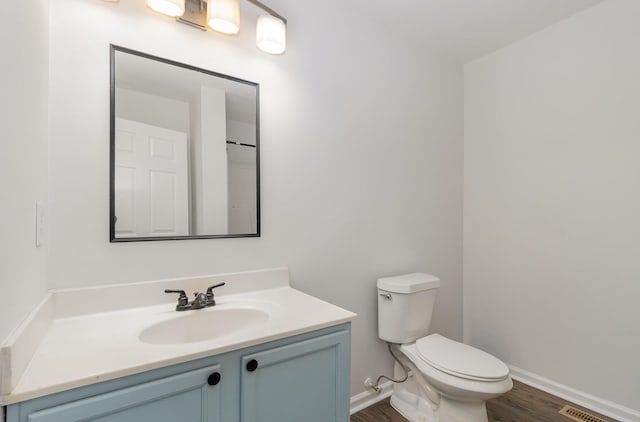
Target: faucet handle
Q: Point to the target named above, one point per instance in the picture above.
(183, 300)
(210, 300)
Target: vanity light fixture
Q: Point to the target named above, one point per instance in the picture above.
(173, 8)
(224, 16)
(271, 34)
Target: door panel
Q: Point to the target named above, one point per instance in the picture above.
(185, 398)
(152, 181)
(302, 382)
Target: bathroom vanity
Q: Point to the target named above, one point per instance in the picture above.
(286, 354)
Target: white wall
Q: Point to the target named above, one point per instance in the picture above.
(242, 177)
(153, 110)
(23, 172)
(241, 132)
(552, 200)
(242, 189)
(213, 190)
(361, 160)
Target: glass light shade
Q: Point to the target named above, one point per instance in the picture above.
(271, 35)
(224, 16)
(171, 8)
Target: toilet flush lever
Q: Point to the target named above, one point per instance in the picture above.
(386, 295)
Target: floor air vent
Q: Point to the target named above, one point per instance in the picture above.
(579, 415)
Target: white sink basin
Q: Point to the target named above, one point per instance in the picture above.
(203, 325)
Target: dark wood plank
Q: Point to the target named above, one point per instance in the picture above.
(527, 404)
(522, 404)
(379, 412)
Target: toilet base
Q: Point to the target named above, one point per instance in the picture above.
(413, 406)
(417, 409)
(458, 411)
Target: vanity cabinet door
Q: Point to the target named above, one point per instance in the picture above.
(187, 397)
(306, 381)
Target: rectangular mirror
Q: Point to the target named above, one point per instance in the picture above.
(184, 151)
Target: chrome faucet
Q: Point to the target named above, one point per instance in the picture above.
(201, 300)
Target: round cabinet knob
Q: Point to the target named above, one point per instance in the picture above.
(214, 378)
(252, 365)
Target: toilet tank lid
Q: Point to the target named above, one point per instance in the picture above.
(409, 283)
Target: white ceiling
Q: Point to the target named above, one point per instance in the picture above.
(468, 29)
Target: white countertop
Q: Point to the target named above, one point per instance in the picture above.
(84, 349)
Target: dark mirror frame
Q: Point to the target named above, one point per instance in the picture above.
(112, 150)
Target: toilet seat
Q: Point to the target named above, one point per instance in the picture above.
(454, 385)
(460, 360)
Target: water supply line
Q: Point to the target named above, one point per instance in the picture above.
(376, 386)
(432, 396)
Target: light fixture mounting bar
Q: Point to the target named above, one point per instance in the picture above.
(195, 14)
(268, 10)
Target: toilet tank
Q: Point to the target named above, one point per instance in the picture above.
(405, 305)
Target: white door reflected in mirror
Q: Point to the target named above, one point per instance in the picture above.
(151, 186)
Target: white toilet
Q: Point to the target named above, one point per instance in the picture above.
(450, 381)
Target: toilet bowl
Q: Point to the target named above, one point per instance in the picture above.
(466, 379)
(450, 381)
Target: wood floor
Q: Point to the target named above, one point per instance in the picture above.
(522, 404)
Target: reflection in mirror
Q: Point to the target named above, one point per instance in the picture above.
(184, 151)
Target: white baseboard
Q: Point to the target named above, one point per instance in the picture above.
(370, 397)
(597, 404)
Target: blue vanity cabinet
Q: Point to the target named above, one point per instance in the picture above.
(302, 378)
(185, 397)
(307, 381)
